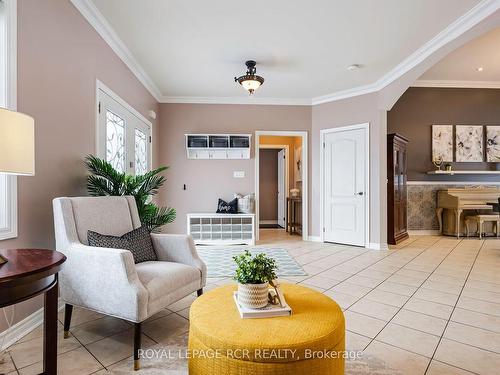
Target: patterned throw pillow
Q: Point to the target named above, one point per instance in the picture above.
(224, 207)
(138, 242)
(245, 203)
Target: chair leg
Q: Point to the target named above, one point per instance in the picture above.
(137, 345)
(68, 310)
(199, 292)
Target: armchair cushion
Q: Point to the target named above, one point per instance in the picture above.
(137, 241)
(167, 282)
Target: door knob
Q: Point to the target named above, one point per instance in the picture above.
(360, 193)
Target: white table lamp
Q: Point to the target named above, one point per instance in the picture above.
(17, 143)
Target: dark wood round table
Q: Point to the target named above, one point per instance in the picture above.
(28, 273)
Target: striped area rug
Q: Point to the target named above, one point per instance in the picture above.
(220, 263)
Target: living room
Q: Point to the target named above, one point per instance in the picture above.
(139, 141)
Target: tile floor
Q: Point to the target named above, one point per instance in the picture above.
(430, 305)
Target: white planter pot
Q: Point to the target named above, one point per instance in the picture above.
(253, 296)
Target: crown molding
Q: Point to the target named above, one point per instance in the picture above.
(457, 84)
(467, 21)
(249, 100)
(90, 12)
(470, 19)
(344, 94)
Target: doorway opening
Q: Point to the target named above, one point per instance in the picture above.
(281, 181)
(273, 185)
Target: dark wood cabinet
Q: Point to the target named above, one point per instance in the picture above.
(397, 223)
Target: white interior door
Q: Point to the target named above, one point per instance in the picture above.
(345, 186)
(281, 188)
(124, 140)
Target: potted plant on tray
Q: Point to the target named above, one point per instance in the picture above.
(253, 274)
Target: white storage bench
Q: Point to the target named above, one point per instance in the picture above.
(222, 229)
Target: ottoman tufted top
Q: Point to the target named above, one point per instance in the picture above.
(316, 325)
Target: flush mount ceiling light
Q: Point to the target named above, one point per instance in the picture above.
(480, 69)
(250, 81)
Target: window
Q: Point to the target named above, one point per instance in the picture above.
(8, 53)
(124, 136)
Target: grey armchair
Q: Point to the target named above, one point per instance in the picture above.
(107, 280)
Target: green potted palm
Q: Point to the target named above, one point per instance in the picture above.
(253, 274)
(103, 179)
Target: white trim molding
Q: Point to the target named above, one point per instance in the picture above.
(90, 12)
(461, 25)
(10, 231)
(305, 173)
(13, 334)
(100, 132)
(467, 21)
(20, 329)
(378, 246)
(365, 126)
(10, 93)
(314, 238)
(101, 86)
(457, 84)
(248, 100)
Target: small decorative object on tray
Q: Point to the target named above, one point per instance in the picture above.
(276, 306)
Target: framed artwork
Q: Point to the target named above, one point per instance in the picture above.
(493, 144)
(442, 142)
(469, 143)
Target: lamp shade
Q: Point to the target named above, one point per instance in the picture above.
(17, 143)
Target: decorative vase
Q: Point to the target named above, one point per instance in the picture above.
(253, 296)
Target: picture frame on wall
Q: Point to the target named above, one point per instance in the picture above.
(442, 143)
(493, 144)
(469, 143)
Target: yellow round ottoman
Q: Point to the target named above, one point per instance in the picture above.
(310, 341)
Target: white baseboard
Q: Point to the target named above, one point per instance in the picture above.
(377, 246)
(314, 238)
(13, 334)
(424, 232)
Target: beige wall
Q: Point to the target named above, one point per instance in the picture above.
(477, 106)
(59, 58)
(268, 184)
(357, 110)
(207, 180)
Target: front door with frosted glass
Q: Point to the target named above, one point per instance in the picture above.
(124, 140)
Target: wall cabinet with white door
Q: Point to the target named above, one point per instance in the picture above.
(218, 146)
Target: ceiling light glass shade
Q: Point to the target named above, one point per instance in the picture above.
(17, 143)
(250, 81)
